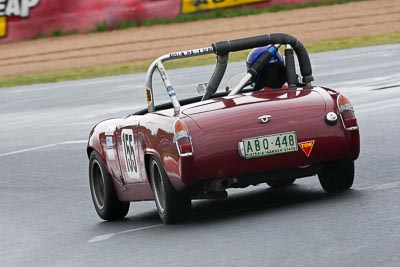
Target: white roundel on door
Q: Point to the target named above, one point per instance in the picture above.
(128, 148)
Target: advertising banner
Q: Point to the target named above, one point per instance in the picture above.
(14, 9)
(3, 26)
(25, 19)
(191, 6)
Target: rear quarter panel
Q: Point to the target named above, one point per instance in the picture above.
(155, 138)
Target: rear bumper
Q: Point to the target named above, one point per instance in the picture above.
(208, 188)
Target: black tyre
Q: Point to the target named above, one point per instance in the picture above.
(281, 182)
(172, 206)
(105, 200)
(337, 176)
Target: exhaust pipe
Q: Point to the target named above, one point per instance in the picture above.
(221, 184)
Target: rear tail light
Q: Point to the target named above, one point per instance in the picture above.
(347, 113)
(182, 138)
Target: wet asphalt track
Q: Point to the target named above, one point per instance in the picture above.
(47, 217)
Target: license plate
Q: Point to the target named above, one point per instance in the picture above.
(268, 145)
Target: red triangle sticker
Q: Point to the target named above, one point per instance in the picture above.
(307, 147)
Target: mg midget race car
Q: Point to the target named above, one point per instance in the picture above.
(198, 147)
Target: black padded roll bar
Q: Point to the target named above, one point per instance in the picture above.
(291, 75)
(216, 78)
(225, 47)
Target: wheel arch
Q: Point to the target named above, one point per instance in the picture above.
(95, 145)
(89, 151)
(147, 158)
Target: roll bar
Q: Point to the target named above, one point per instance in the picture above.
(157, 64)
(222, 50)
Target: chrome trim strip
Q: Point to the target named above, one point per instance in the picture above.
(352, 128)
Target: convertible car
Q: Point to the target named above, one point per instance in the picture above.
(198, 147)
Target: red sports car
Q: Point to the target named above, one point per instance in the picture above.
(271, 127)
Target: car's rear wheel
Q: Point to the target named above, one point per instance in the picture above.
(337, 176)
(172, 206)
(105, 200)
(281, 182)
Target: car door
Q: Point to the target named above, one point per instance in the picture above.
(127, 150)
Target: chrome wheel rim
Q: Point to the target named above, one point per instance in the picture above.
(158, 188)
(98, 185)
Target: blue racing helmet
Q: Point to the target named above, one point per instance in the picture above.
(276, 60)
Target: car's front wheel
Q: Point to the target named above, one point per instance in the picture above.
(172, 206)
(105, 200)
(337, 176)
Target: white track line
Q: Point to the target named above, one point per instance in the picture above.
(108, 236)
(42, 147)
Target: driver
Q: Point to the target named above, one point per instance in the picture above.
(273, 75)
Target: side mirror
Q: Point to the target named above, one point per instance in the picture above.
(201, 88)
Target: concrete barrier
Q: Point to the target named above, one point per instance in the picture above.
(24, 19)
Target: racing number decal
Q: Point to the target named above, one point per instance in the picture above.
(128, 147)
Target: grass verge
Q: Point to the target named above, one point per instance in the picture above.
(141, 66)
